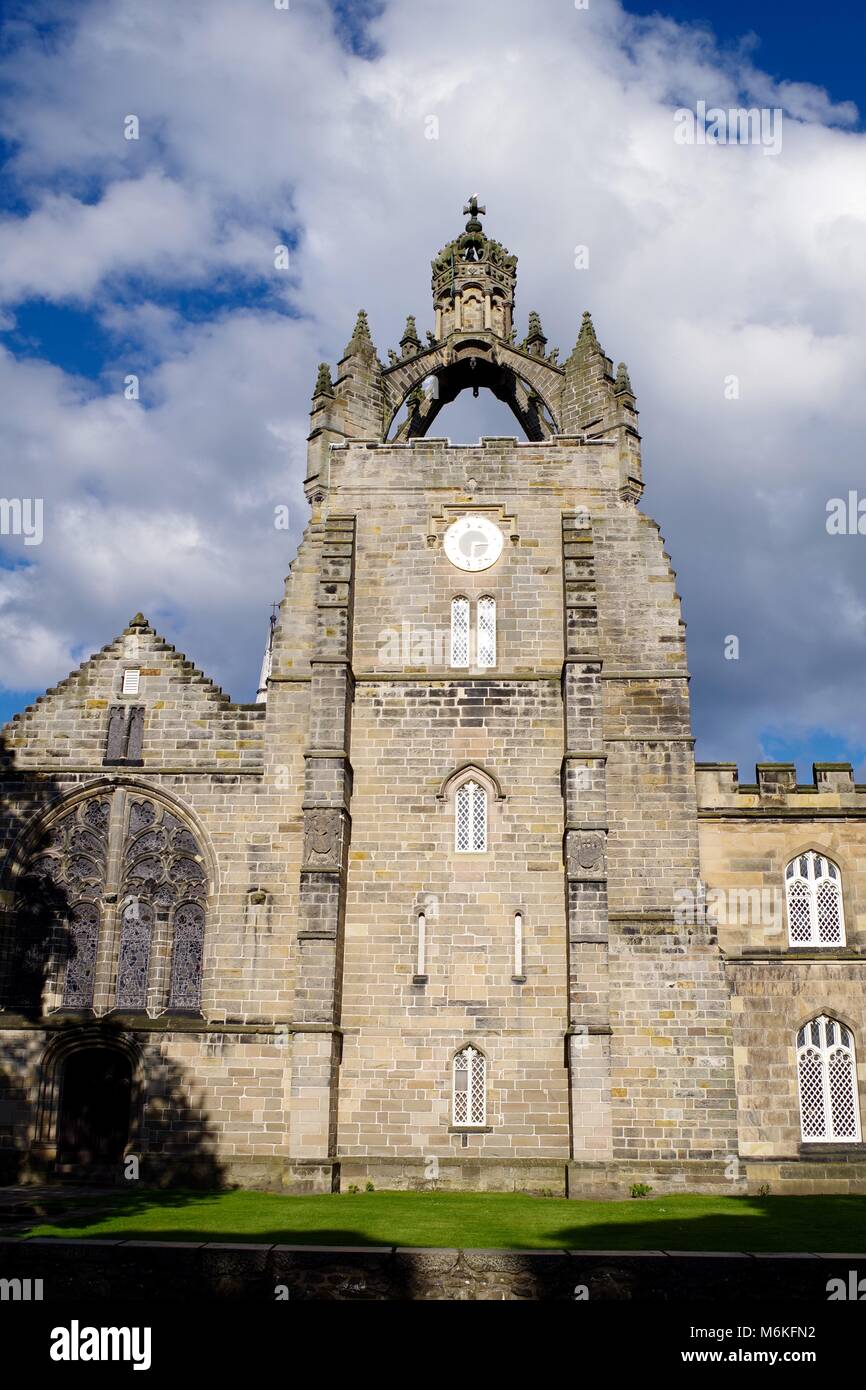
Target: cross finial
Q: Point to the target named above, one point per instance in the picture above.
(472, 208)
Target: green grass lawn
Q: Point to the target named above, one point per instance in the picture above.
(479, 1220)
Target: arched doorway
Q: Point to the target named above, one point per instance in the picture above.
(95, 1097)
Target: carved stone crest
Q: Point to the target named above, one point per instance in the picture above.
(586, 852)
(322, 840)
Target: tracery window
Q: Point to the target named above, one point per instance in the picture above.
(469, 1094)
(68, 887)
(827, 1077)
(813, 887)
(470, 818)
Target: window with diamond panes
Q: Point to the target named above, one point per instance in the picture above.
(813, 887)
(470, 1088)
(460, 632)
(470, 816)
(486, 631)
(827, 1077)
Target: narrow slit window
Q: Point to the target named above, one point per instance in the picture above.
(421, 948)
(518, 946)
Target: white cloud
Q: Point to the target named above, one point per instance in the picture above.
(704, 262)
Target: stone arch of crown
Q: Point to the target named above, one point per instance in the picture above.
(514, 377)
(21, 850)
(56, 1054)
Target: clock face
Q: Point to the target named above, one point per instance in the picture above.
(473, 543)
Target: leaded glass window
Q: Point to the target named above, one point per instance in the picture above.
(827, 1079)
(186, 958)
(486, 639)
(460, 631)
(135, 942)
(813, 887)
(470, 818)
(469, 1103)
(58, 909)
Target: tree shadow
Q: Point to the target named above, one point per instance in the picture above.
(169, 1136)
(34, 922)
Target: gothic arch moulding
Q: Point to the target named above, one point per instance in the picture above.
(529, 386)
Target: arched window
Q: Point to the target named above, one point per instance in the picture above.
(813, 888)
(470, 818)
(469, 1103)
(159, 883)
(486, 631)
(460, 631)
(827, 1075)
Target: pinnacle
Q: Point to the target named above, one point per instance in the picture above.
(622, 382)
(360, 334)
(139, 621)
(587, 332)
(324, 386)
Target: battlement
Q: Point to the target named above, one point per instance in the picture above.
(776, 790)
(486, 441)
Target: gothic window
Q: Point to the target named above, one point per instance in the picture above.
(460, 631)
(827, 1075)
(470, 818)
(62, 891)
(58, 908)
(163, 883)
(469, 1099)
(486, 631)
(813, 887)
(136, 932)
(186, 958)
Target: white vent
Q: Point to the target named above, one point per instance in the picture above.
(131, 680)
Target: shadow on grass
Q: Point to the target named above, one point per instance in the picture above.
(491, 1221)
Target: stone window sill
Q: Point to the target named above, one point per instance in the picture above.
(470, 1129)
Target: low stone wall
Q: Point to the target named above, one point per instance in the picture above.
(157, 1271)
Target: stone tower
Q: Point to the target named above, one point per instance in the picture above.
(416, 916)
(546, 956)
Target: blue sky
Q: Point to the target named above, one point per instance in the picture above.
(154, 257)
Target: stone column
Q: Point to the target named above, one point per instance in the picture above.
(585, 842)
(327, 828)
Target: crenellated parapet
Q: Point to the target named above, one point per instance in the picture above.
(776, 792)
